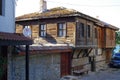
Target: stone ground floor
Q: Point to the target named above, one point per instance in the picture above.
(103, 74)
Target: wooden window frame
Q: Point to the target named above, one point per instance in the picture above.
(42, 30)
(88, 31)
(62, 29)
(96, 33)
(82, 30)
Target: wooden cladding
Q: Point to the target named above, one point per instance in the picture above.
(84, 33)
(106, 37)
(51, 32)
(110, 38)
(77, 31)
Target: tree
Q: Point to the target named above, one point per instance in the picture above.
(118, 37)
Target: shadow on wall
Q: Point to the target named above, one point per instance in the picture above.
(50, 39)
(47, 39)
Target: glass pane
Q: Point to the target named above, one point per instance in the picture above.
(64, 26)
(60, 33)
(42, 33)
(42, 27)
(60, 26)
(88, 30)
(64, 33)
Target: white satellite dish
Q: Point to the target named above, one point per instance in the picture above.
(27, 31)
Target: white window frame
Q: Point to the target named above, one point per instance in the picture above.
(61, 29)
(42, 30)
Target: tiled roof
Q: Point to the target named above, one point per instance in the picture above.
(61, 12)
(53, 13)
(104, 24)
(13, 39)
(45, 49)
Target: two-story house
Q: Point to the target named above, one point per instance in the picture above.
(65, 39)
(8, 38)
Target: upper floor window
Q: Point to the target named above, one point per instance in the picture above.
(42, 30)
(61, 29)
(2, 7)
(88, 31)
(82, 30)
(96, 33)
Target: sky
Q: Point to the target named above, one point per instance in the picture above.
(107, 10)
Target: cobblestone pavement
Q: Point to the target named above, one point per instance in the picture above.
(104, 74)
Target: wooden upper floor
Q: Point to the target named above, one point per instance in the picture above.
(64, 26)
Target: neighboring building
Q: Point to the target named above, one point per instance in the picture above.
(64, 39)
(8, 38)
(7, 16)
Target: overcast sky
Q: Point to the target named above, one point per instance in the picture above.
(107, 10)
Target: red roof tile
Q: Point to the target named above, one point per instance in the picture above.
(46, 49)
(13, 39)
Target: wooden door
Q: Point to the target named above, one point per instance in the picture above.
(108, 55)
(65, 64)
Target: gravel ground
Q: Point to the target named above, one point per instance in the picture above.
(104, 74)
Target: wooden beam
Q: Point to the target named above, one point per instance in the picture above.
(79, 53)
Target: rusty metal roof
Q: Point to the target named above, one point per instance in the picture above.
(14, 39)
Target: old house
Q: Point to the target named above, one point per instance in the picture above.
(64, 40)
(105, 42)
(9, 39)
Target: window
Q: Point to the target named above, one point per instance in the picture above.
(42, 30)
(61, 29)
(82, 30)
(88, 31)
(96, 33)
(0, 7)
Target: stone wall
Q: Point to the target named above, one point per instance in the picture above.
(41, 67)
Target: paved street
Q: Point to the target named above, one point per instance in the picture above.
(105, 74)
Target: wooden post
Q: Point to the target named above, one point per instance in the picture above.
(27, 62)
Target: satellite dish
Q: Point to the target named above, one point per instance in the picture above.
(27, 31)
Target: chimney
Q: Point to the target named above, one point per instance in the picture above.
(43, 5)
(97, 17)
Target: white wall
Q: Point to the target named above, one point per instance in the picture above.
(7, 21)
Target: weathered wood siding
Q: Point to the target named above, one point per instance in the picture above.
(19, 28)
(100, 37)
(85, 41)
(51, 31)
(110, 38)
(105, 36)
(80, 41)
